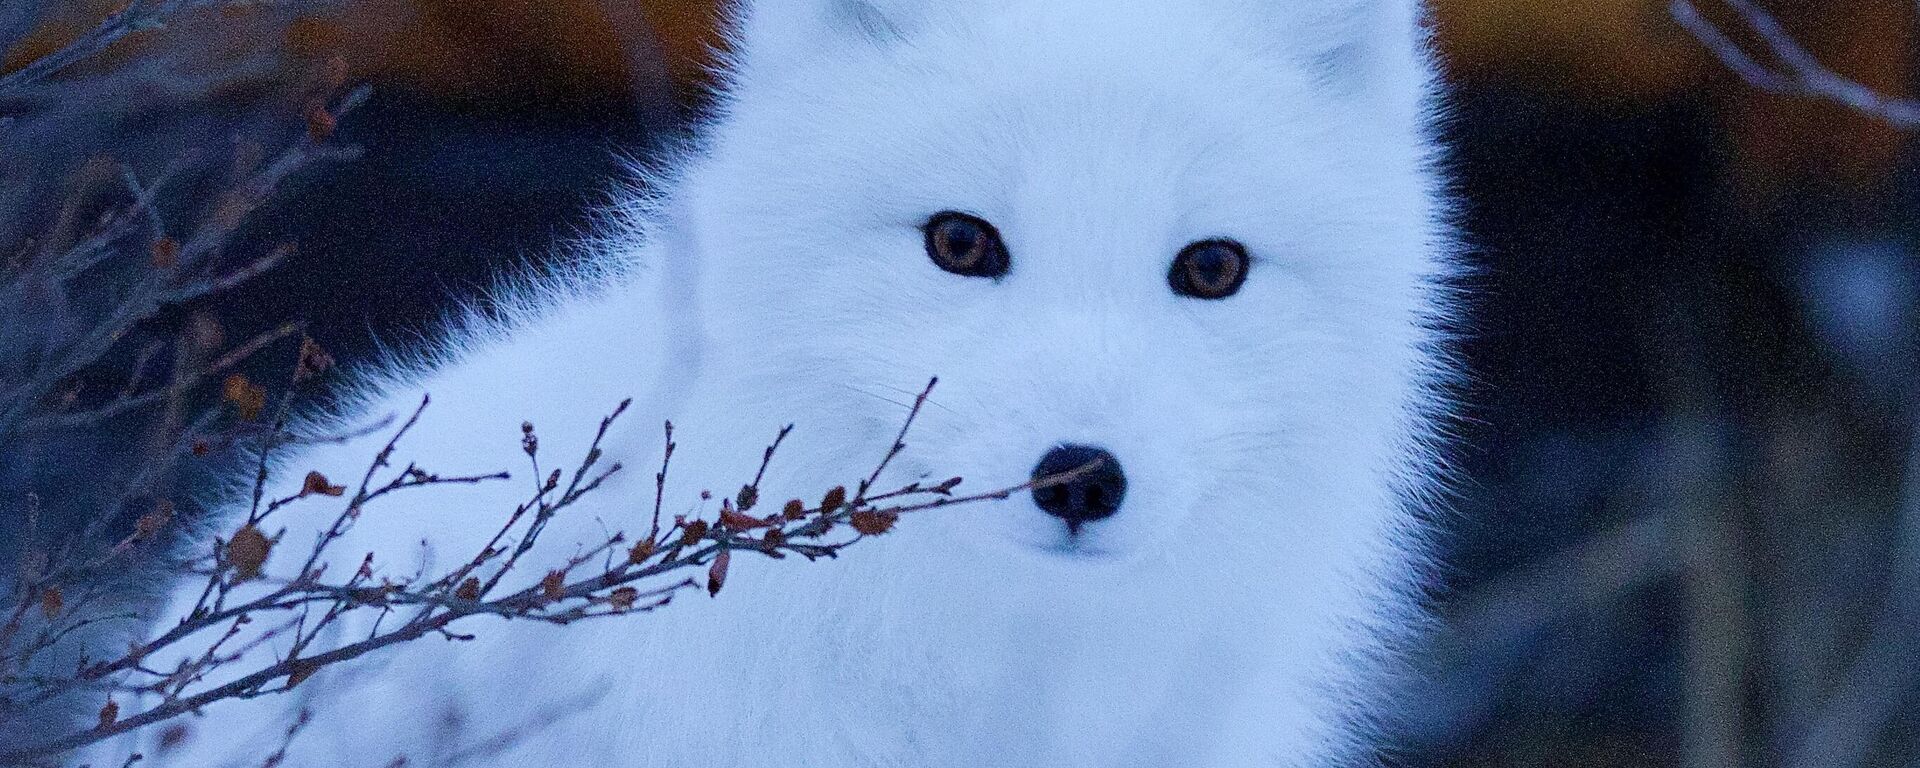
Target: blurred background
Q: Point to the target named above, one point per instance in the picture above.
(1684, 536)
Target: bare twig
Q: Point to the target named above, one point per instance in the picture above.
(646, 579)
(1799, 72)
(137, 16)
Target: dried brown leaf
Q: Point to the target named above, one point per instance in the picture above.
(834, 500)
(314, 360)
(872, 523)
(317, 484)
(52, 601)
(151, 523)
(741, 522)
(717, 573)
(245, 397)
(166, 253)
(691, 533)
(320, 122)
(641, 550)
(248, 551)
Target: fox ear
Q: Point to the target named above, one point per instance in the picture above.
(790, 30)
(1376, 49)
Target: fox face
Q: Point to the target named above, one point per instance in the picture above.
(1183, 263)
(1194, 249)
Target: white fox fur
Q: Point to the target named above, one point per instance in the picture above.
(1276, 442)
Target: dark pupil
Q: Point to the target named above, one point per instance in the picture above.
(1212, 268)
(963, 243)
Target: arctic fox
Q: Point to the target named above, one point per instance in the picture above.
(1198, 244)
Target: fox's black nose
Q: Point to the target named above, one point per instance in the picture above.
(1094, 490)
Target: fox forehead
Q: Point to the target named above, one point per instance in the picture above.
(1120, 127)
(1085, 124)
(987, 92)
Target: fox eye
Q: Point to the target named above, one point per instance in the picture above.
(965, 245)
(1209, 269)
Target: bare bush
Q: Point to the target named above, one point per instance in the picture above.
(108, 345)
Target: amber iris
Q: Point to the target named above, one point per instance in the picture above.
(1209, 269)
(966, 245)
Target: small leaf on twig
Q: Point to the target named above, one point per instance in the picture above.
(110, 713)
(641, 550)
(52, 601)
(554, 586)
(320, 122)
(691, 533)
(796, 510)
(314, 360)
(166, 253)
(834, 499)
(248, 552)
(151, 523)
(740, 522)
(623, 598)
(528, 441)
(748, 497)
(717, 573)
(469, 590)
(317, 484)
(248, 399)
(872, 523)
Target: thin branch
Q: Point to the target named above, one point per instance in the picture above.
(1800, 73)
(138, 16)
(124, 405)
(644, 581)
